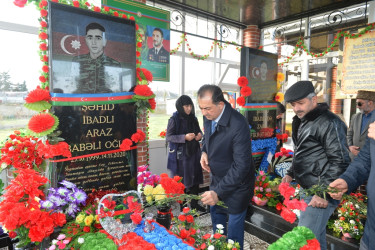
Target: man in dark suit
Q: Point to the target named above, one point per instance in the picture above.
(158, 53)
(226, 155)
(359, 123)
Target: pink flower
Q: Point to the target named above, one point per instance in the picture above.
(268, 190)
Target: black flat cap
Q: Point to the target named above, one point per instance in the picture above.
(298, 91)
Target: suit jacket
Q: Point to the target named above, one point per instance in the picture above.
(354, 136)
(230, 160)
(162, 56)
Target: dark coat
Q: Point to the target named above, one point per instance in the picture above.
(188, 167)
(361, 169)
(230, 160)
(321, 153)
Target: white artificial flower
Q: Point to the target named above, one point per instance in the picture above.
(54, 242)
(230, 241)
(3, 165)
(211, 247)
(352, 221)
(219, 226)
(81, 240)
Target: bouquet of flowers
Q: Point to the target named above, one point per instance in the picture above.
(65, 199)
(282, 157)
(168, 190)
(185, 227)
(299, 238)
(145, 177)
(20, 211)
(217, 241)
(262, 191)
(349, 214)
(289, 205)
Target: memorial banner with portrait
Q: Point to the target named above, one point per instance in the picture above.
(355, 72)
(153, 25)
(93, 61)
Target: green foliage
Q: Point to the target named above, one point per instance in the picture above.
(96, 241)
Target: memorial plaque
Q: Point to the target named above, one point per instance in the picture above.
(262, 121)
(92, 132)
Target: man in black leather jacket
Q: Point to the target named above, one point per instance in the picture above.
(321, 154)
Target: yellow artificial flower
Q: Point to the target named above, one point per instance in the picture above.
(159, 193)
(97, 218)
(280, 77)
(88, 220)
(279, 97)
(80, 218)
(278, 85)
(148, 190)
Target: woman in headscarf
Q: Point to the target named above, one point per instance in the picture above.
(183, 136)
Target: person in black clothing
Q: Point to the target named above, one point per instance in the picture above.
(183, 136)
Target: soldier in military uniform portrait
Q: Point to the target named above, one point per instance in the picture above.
(158, 53)
(95, 72)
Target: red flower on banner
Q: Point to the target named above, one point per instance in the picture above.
(242, 81)
(44, 58)
(245, 91)
(126, 144)
(96, 9)
(43, 3)
(152, 103)
(87, 4)
(138, 54)
(241, 101)
(115, 13)
(106, 8)
(38, 95)
(132, 18)
(41, 122)
(20, 3)
(124, 16)
(139, 45)
(143, 90)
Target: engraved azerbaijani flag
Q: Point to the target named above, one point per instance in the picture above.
(91, 99)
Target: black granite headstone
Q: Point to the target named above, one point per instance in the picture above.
(90, 131)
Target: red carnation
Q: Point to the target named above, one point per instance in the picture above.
(37, 95)
(125, 145)
(42, 79)
(136, 218)
(286, 190)
(43, 35)
(190, 240)
(45, 58)
(45, 68)
(142, 135)
(12, 234)
(43, 13)
(182, 217)
(43, 24)
(76, 4)
(288, 215)
(136, 137)
(217, 236)
(59, 219)
(43, 3)
(206, 236)
(20, 3)
(143, 90)
(242, 81)
(41, 122)
(86, 229)
(152, 103)
(246, 91)
(147, 74)
(241, 101)
(189, 218)
(184, 233)
(279, 206)
(186, 210)
(43, 46)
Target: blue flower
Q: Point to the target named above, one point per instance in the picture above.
(80, 196)
(68, 184)
(62, 191)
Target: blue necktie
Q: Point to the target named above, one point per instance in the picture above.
(213, 127)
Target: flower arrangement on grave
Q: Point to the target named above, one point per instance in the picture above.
(145, 177)
(262, 189)
(185, 226)
(65, 199)
(217, 240)
(349, 215)
(301, 238)
(285, 155)
(98, 240)
(290, 203)
(166, 191)
(20, 211)
(21, 150)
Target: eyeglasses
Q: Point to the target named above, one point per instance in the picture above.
(359, 104)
